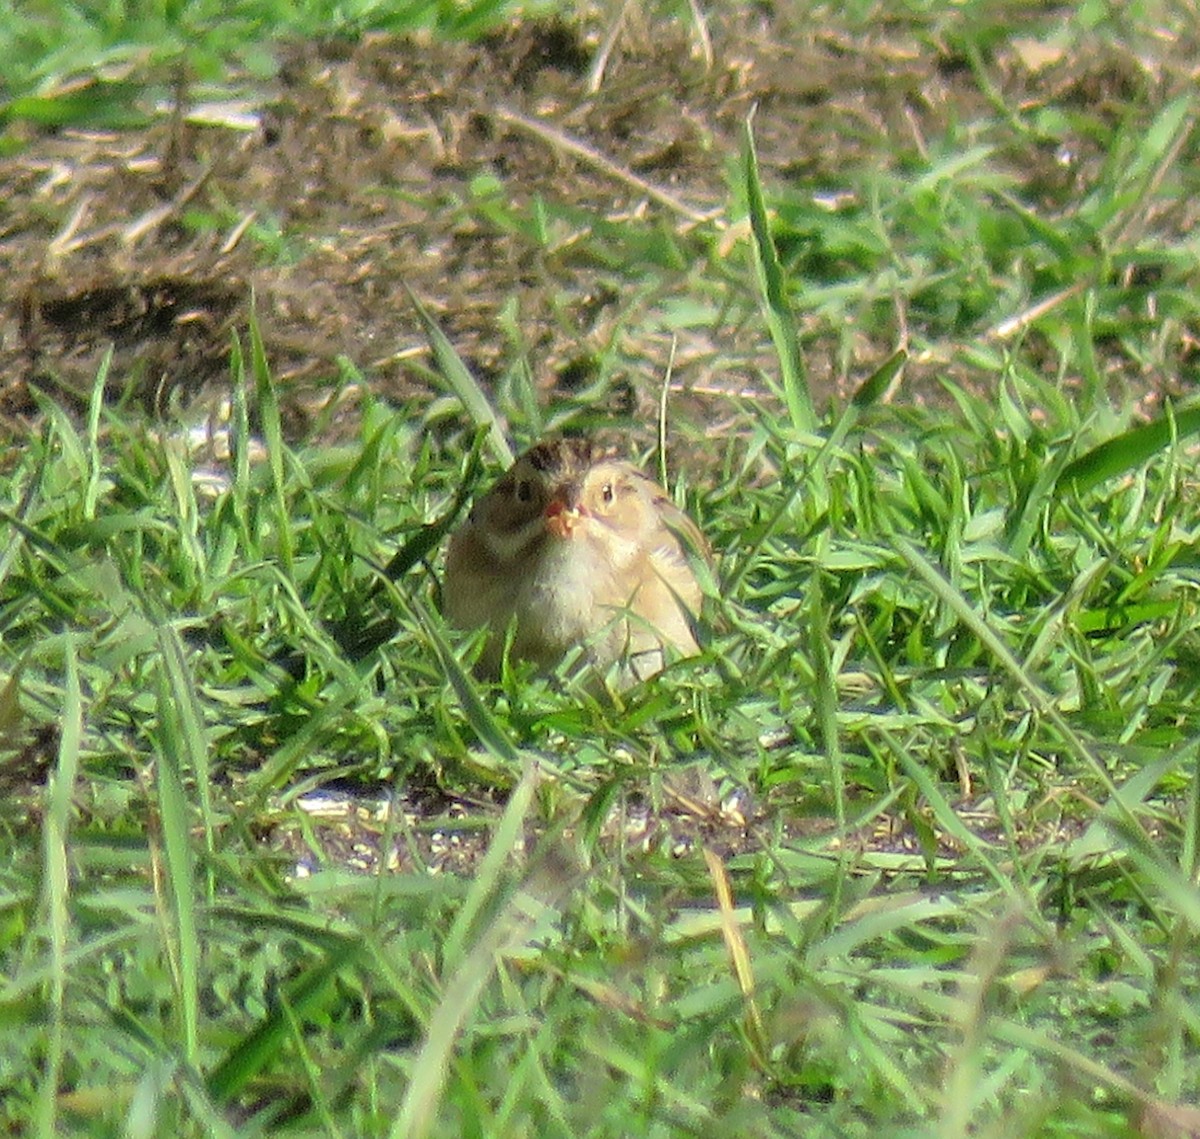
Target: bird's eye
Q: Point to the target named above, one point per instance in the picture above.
(606, 493)
(524, 490)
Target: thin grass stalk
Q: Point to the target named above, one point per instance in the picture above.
(781, 322)
(272, 428)
(175, 821)
(95, 464)
(463, 988)
(463, 384)
(826, 695)
(57, 886)
(190, 724)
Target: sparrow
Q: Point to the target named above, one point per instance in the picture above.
(573, 547)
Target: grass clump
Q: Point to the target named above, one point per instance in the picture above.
(933, 867)
(930, 640)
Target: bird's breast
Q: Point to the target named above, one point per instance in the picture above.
(558, 599)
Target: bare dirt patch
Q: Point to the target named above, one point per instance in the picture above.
(364, 168)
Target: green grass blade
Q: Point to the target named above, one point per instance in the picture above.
(361, 631)
(876, 385)
(190, 725)
(826, 696)
(57, 886)
(239, 437)
(272, 427)
(463, 384)
(945, 814)
(1128, 451)
(28, 497)
(779, 317)
(1158, 149)
(427, 538)
(257, 1048)
(175, 821)
(467, 975)
(95, 406)
(870, 391)
(486, 726)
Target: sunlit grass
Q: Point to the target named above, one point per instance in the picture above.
(950, 664)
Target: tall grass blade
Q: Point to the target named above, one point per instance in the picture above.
(57, 886)
(272, 428)
(362, 631)
(262, 1044)
(95, 406)
(239, 436)
(1127, 451)
(739, 955)
(12, 548)
(463, 384)
(463, 987)
(825, 697)
(190, 723)
(1158, 150)
(175, 821)
(486, 726)
(780, 321)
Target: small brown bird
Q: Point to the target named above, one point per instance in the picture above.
(579, 549)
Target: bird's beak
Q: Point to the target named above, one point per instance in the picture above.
(565, 512)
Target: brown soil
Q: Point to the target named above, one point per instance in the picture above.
(351, 177)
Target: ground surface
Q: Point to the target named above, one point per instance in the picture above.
(545, 210)
(911, 848)
(368, 168)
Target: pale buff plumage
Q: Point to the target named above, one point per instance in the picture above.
(575, 548)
